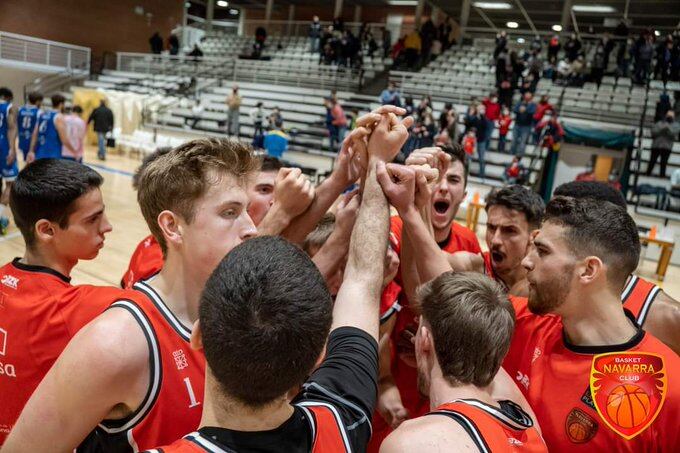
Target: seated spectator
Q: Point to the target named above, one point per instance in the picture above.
(390, 95)
(514, 172)
(424, 130)
(276, 141)
(554, 133)
(274, 117)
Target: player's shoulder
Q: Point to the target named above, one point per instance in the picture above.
(463, 232)
(428, 433)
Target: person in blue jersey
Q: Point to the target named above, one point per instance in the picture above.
(50, 133)
(8, 154)
(26, 120)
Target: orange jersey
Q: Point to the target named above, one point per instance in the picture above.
(403, 357)
(507, 428)
(40, 311)
(638, 297)
(554, 376)
(174, 402)
(146, 260)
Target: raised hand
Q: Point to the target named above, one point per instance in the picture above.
(432, 156)
(352, 160)
(293, 191)
(426, 177)
(346, 214)
(388, 137)
(398, 183)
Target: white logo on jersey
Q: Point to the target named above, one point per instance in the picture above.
(523, 379)
(10, 281)
(513, 441)
(537, 354)
(3, 341)
(5, 369)
(180, 359)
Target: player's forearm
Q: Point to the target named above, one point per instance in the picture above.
(429, 260)
(409, 271)
(274, 222)
(331, 254)
(326, 194)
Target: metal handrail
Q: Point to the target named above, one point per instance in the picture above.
(43, 53)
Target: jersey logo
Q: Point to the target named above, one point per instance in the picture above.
(537, 354)
(629, 389)
(523, 379)
(10, 281)
(580, 427)
(180, 359)
(3, 341)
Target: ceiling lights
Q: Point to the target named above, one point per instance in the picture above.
(557, 27)
(222, 3)
(492, 5)
(521, 40)
(593, 9)
(512, 25)
(656, 33)
(403, 2)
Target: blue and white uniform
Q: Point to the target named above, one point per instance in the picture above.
(49, 144)
(26, 119)
(8, 172)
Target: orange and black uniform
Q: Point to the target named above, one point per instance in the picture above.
(554, 376)
(40, 311)
(174, 402)
(504, 428)
(331, 414)
(403, 356)
(146, 261)
(638, 296)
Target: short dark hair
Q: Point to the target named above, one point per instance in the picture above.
(48, 189)
(318, 237)
(265, 314)
(6, 93)
(270, 163)
(518, 198)
(57, 100)
(160, 151)
(34, 97)
(472, 322)
(600, 228)
(77, 109)
(457, 154)
(591, 189)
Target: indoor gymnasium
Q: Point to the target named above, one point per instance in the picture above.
(380, 226)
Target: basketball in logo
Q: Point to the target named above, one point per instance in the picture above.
(628, 405)
(580, 426)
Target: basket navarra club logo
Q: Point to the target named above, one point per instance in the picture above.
(628, 390)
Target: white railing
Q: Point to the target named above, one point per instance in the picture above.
(43, 54)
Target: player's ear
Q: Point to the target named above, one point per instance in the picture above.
(196, 337)
(424, 340)
(591, 268)
(44, 230)
(169, 224)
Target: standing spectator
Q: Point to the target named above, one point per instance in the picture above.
(576, 72)
(664, 58)
(664, 133)
(424, 130)
(504, 122)
(428, 33)
(481, 137)
(102, 117)
(554, 133)
(173, 44)
(444, 116)
(412, 48)
(75, 129)
(492, 113)
(608, 45)
(386, 42)
(314, 35)
(472, 119)
(501, 43)
(274, 117)
(276, 141)
(644, 52)
(598, 65)
(524, 120)
(339, 121)
(572, 47)
(624, 57)
(452, 126)
(339, 24)
(424, 107)
(470, 142)
(234, 104)
(257, 116)
(156, 43)
(390, 95)
(505, 92)
(542, 108)
(553, 49)
(662, 106)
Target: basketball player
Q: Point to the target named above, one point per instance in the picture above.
(653, 308)
(58, 208)
(8, 152)
(513, 212)
(577, 266)
(267, 307)
(465, 330)
(28, 117)
(49, 134)
(131, 374)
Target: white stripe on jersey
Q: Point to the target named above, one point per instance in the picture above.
(338, 419)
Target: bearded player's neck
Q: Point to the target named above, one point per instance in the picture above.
(596, 319)
(513, 278)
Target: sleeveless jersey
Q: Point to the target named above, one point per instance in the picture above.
(49, 144)
(4, 138)
(328, 434)
(174, 401)
(28, 116)
(146, 261)
(638, 297)
(492, 429)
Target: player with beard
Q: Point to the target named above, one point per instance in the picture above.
(653, 309)
(513, 212)
(577, 266)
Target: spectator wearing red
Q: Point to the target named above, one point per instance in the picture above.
(504, 121)
(470, 142)
(554, 132)
(544, 106)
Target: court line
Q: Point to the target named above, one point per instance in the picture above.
(110, 170)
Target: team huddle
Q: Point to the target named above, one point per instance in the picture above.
(266, 314)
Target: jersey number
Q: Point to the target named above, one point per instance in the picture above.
(26, 122)
(192, 396)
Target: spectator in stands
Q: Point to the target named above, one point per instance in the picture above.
(664, 133)
(444, 116)
(624, 57)
(196, 52)
(553, 49)
(662, 106)
(386, 41)
(644, 52)
(339, 121)
(314, 35)
(257, 116)
(505, 92)
(424, 130)
(470, 142)
(576, 72)
(260, 36)
(197, 114)
(482, 132)
(276, 141)
(156, 43)
(553, 131)
(424, 107)
(572, 47)
(428, 33)
(664, 58)
(409, 106)
(542, 108)
(472, 119)
(514, 172)
(339, 24)
(598, 65)
(412, 49)
(390, 95)
(371, 43)
(501, 43)
(524, 121)
(173, 44)
(102, 117)
(504, 122)
(608, 45)
(234, 104)
(492, 110)
(75, 129)
(274, 117)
